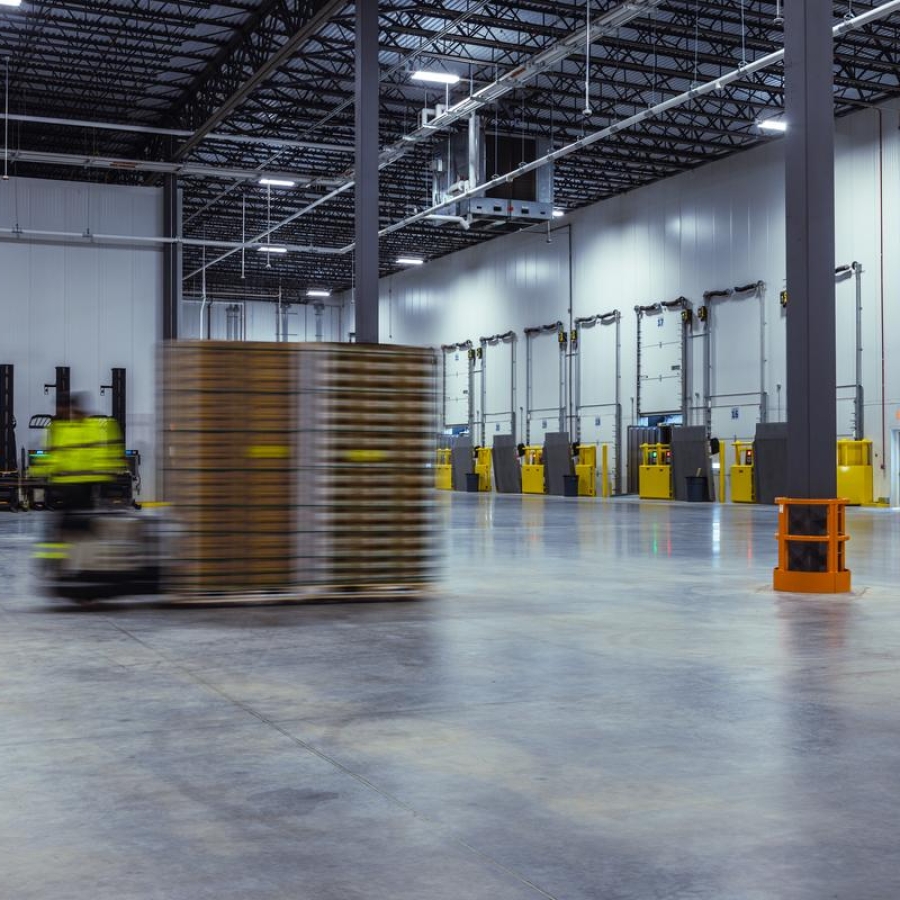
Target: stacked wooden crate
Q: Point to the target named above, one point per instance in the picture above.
(298, 469)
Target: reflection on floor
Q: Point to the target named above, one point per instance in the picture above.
(604, 700)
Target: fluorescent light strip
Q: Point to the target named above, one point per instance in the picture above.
(10, 2)
(271, 249)
(318, 293)
(772, 125)
(410, 261)
(435, 77)
(270, 182)
(558, 213)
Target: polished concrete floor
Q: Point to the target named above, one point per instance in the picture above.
(604, 701)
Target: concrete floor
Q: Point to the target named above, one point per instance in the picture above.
(605, 701)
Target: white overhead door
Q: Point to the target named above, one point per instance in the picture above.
(499, 411)
(736, 352)
(845, 361)
(660, 362)
(597, 385)
(545, 388)
(456, 387)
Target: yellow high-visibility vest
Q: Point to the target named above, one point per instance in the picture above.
(84, 450)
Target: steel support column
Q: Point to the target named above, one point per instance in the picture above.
(809, 170)
(171, 258)
(366, 226)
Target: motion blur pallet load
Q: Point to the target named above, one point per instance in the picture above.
(298, 470)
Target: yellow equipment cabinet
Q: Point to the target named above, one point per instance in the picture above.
(742, 490)
(586, 470)
(854, 472)
(443, 470)
(483, 468)
(655, 476)
(533, 471)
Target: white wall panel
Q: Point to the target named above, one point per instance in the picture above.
(87, 306)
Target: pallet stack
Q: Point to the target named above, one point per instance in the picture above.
(366, 428)
(298, 470)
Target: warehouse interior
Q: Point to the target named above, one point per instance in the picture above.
(534, 347)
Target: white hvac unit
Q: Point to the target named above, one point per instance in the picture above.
(474, 156)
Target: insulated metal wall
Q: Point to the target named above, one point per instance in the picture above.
(92, 307)
(719, 225)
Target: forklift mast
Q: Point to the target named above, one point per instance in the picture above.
(8, 460)
(119, 397)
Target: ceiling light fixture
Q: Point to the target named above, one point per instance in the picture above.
(558, 213)
(410, 261)
(314, 293)
(435, 77)
(270, 248)
(772, 125)
(10, 2)
(270, 182)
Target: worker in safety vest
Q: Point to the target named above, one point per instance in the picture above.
(82, 453)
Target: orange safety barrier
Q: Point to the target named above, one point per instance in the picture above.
(802, 566)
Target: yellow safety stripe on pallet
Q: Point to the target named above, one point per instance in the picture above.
(365, 456)
(269, 451)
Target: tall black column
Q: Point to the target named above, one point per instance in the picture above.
(366, 253)
(809, 170)
(171, 258)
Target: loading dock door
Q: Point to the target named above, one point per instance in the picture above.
(660, 362)
(545, 401)
(597, 401)
(456, 380)
(849, 393)
(498, 400)
(736, 391)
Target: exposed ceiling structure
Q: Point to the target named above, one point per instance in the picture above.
(126, 91)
